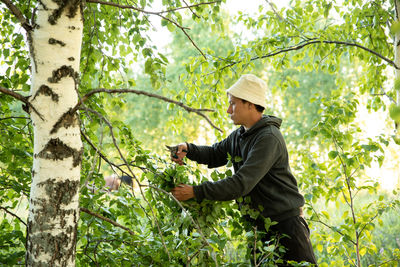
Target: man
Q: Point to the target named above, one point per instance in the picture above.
(262, 174)
(113, 182)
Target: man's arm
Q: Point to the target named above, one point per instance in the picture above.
(213, 156)
(265, 152)
(183, 192)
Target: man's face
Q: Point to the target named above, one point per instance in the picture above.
(238, 110)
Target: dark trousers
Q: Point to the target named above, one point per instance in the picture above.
(294, 235)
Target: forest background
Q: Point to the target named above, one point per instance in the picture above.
(148, 81)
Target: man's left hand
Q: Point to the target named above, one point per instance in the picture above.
(183, 192)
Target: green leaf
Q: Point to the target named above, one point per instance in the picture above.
(333, 154)
(394, 112)
(397, 84)
(326, 214)
(170, 27)
(363, 251)
(237, 159)
(395, 28)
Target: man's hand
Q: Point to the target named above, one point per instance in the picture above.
(183, 192)
(178, 152)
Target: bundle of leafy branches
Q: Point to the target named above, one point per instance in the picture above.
(187, 232)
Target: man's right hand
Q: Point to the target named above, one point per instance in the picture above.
(178, 153)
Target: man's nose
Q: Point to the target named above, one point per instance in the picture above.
(229, 110)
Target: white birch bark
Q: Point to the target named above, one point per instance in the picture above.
(397, 57)
(397, 47)
(55, 45)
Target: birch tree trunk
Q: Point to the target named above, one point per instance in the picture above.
(397, 49)
(55, 45)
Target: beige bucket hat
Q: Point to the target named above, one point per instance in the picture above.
(250, 88)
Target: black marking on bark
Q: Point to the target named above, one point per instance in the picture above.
(71, 7)
(68, 119)
(71, 27)
(47, 214)
(63, 71)
(25, 108)
(61, 192)
(43, 5)
(55, 149)
(58, 246)
(32, 50)
(45, 90)
(71, 59)
(54, 42)
(33, 18)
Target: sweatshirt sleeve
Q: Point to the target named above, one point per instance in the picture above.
(265, 152)
(213, 156)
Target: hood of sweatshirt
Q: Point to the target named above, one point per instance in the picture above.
(266, 120)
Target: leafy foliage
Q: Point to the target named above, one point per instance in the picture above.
(340, 180)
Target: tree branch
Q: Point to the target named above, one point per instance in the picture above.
(132, 174)
(20, 98)
(311, 42)
(159, 13)
(118, 91)
(191, 40)
(284, 20)
(13, 214)
(107, 220)
(18, 14)
(190, 8)
(100, 153)
(188, 214)
(114, 142)
(334, 229)
(10, 118)
(14, 94)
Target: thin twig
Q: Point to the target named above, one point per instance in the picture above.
(255, 246)
(314, 41)
(95, 159)
(328, 226)
(188, 214)
(385, 94)
(386, 262)
(190, 8)
(21, 98)
(135, 8)
(284, 20)
(150, 12)
(100, 153)
(195, 254)
(158, 14)
(107, 220)
(139, 92)
(18, 14)
(13, 214)
(113, 138)
(349, 189)
(10, 118)
(131, 173)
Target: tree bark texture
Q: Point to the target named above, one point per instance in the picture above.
(55, 46)
(397, 47)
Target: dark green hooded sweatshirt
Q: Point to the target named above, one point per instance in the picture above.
(263, 174)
